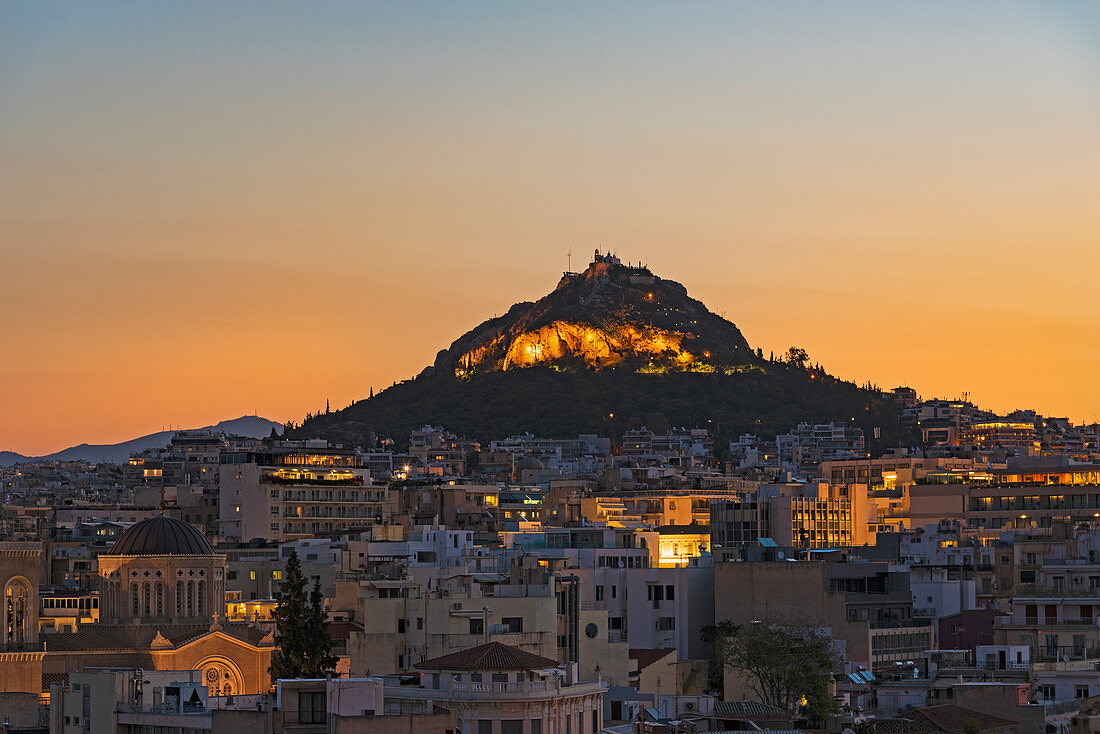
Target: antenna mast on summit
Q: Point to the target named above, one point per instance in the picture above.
(569, 257)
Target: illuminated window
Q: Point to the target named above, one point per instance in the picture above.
(277, 575)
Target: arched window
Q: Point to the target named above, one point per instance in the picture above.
(160, 599)
(179, 598)
(190, 598)
(147, 600)
(137, 600)
(201, 610)
(16, 601)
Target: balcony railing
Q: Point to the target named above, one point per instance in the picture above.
(1072, 652)
(489, 688)
(1040, 591)
(1008, 621)
(994, 665)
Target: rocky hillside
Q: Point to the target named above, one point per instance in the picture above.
(610, 349)
(610, 316)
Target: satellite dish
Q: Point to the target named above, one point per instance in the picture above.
(780, 555)
(1065, 658)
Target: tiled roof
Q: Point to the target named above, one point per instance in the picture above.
(749, 708)
(343, 630)
(243, 631)
(946, 719)
(951, 719)
(48, 678)
(646, 656)
(83, 640)
(491, 656)
(182, 638)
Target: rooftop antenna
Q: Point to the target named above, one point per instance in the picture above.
(569, 255)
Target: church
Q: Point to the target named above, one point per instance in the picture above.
(162, 607)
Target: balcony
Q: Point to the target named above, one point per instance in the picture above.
(993, 665)
(1008, 621)
(401, 696)
(1035, 591)
(1051, 654)
(315, 481)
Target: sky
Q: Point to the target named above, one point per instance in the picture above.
(212, 209)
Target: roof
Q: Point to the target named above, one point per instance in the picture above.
(48, 678)
(891, 726)
(243, 631)
(85, 640)
(343, 630)
(646, 656)
(490, 656)
(753, 709)
(950, 719)
(161, 536)
(693, 529)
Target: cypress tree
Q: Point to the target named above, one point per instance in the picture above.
(304, 645)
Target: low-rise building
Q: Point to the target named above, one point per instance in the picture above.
(498, 689)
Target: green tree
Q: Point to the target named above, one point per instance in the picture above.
(787, 664)
(304, 645)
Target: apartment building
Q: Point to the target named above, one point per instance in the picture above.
(867, 605)
(290, 490)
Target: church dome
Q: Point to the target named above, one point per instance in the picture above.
(161, 536)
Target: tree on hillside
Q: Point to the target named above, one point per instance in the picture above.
(303, 643)
(797, 356)
(787, 664)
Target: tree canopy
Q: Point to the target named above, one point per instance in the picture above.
(786, 663)
(304, 645)
(765, 401)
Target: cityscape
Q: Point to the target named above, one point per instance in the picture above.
(459, 433)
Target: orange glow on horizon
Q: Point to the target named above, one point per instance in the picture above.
(234, 212)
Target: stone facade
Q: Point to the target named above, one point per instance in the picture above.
(20, 650)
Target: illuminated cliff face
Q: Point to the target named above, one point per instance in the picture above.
(596, 346)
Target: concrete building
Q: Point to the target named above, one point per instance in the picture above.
(292, 489)
(867, 605)
(135, 701)
(497, 689)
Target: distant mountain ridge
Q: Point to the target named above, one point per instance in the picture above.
(247, 425)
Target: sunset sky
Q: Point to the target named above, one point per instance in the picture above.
(210, 209)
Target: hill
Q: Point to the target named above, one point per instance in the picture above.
(118, 453)
(610, 316)
(768, 400)
(610, 349)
